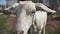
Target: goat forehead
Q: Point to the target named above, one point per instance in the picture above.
(29, 5)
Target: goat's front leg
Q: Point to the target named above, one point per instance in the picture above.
(44, 30)
(40, 31)
(34, 21)
(35, 27)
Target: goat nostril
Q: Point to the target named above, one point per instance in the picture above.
(33, 11)
(21, 32)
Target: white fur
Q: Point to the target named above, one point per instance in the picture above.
(24, 16)
(40, 19)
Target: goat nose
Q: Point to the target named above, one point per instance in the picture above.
(33, 11)
(21, 32)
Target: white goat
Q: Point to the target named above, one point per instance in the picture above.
(39, 21)
(25, 15)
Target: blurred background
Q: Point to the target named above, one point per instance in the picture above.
(8, 18)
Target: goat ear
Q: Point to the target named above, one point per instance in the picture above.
(7, 8)
(40, 5)
(13, 6)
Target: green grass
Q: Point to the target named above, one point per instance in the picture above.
(3, 22)
(53, 31)
(3, 27)
(56, 16)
